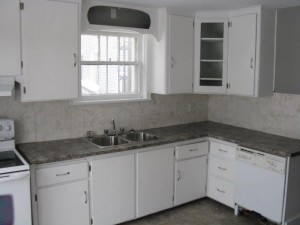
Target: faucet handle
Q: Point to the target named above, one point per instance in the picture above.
(132, 130)
(122, 130)
(105, 131)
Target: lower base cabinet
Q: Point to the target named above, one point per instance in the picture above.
(64, 204)
(155, 177)
(113, 190)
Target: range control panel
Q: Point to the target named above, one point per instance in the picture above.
(7, 129)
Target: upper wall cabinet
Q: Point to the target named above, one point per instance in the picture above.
(211, 55)
(50, 47)
(10, 38)
(235, 57)
(251, 52)
(173, 55)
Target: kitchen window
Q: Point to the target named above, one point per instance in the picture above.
(111, 67)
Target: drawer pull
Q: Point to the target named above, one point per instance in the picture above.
(221, 150)
(223, 192)
(62, 174)
(194, 149)
(221, 168)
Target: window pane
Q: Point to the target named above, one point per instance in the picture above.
(127, 49)
(89, 48)
(93, 80)
(103, 48)
(113, 49)
(108, 79)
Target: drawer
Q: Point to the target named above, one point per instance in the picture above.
(59, 174)
(222, 150)
(222, 168)
(192, 150)
(220, 190)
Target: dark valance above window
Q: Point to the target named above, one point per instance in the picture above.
(116, 16)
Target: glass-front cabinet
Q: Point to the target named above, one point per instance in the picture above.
(211, 55)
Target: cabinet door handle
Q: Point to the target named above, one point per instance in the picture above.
(251, 63)
(75, 60)
(221, 191)
(63, 174)
(179, 175)
(193, 150)
(221, 168)
(86, 197)
(172, 62)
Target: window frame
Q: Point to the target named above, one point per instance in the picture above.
(140, 63)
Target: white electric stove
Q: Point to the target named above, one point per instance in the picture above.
(15, 206)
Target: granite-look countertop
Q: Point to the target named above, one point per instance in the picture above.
(53, 151)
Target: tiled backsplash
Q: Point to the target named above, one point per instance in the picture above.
(58, 120)
(279, 114)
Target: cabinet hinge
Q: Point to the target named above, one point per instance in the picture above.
(21, 5)
(22, 64)
(173, 198)
(92, 221)
(193, 85)
(205, 189)
(90, 168)
(229, 24)
(35, 198)
(228, 85)
(193, 23)
(24, 90)
(207, 160)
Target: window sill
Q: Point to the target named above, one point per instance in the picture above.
(101, 101)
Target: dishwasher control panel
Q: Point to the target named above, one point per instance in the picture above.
(262, 160)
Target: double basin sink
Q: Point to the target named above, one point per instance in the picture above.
(111, 140)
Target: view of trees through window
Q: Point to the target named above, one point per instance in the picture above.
(109, 65)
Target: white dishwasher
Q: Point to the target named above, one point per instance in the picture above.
(260, 183)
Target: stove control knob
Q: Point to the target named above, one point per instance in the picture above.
(7, 127)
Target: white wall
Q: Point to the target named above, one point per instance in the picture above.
(59, 120)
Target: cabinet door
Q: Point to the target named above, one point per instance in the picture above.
(241, 59)
(181, 49)
(64, 204)
(190, 179)
(155, 174)
(50, 34)
(10, 38)
(113, 190)
(211, 55)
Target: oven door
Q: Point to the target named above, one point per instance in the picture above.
(15, 207)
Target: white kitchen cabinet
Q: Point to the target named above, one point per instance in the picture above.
(155, 177)
(50, 47)
(211, 43)
(64, 204)
(251, 52)
(113, 189)
(190, 172)
(221, 172)
(173, 55)
(61, 194)
(10, 38)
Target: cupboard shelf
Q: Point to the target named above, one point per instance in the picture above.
(212, 39)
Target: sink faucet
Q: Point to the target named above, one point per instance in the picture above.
(113, 124)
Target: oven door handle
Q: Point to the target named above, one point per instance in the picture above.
(14, 176)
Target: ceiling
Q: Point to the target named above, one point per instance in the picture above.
(196, 5)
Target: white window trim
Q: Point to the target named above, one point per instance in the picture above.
(144, 82)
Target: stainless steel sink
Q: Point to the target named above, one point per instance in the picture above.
(108, 140)
(140, 136)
